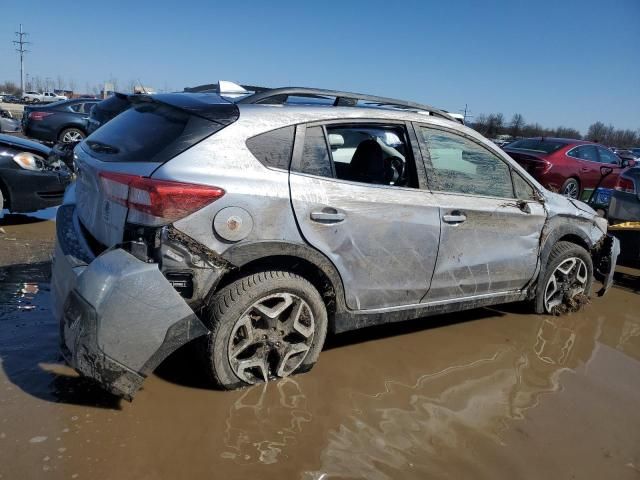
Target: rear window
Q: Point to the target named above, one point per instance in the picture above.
(537, 144)
(148, 132)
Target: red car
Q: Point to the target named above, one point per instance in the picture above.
(564, 165)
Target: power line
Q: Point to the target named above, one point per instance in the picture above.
(20, 43)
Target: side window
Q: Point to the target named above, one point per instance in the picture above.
(76, 107)
(374, 154)
(463, 166)
(585, 152)
(523, 190)
(315, 154)
(273, 148)
(87, 107)
(607, 156)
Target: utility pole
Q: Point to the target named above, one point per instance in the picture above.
(20, 43)
(466, 113)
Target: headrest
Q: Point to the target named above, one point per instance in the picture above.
(336, 140)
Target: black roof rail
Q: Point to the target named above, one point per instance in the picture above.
(342, 99)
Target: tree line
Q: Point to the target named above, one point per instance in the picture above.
(494, 124)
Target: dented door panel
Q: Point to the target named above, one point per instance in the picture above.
(495, 249)
(383, 240)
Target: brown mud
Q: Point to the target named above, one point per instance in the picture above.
(491, 393)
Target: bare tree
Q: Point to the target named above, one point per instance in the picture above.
(515, 128)
(72, 85)
(60, 83)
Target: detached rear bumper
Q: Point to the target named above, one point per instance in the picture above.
(605, 262)
(119, 317)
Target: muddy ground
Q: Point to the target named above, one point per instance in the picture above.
(492, 393)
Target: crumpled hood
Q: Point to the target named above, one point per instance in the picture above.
(559, 204)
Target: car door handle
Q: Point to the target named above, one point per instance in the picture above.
(584, 169)
(328, 215)
(454, 217)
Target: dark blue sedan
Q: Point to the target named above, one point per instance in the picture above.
(64, 121)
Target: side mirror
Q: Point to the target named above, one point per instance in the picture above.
(604, 170)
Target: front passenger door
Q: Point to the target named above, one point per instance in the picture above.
(490, 236)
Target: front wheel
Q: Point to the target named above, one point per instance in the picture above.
(264, 326)
(566, 282)
(69, 135)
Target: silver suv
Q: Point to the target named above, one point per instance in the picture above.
(261, 221)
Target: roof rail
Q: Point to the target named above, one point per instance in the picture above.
(342, 99)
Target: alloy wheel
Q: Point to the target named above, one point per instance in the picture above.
(571, 190)
(567, 281)
(72, 136)
(271, 338)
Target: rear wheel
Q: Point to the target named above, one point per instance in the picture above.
(264, 326)
(566, 283)
(69, 135)
(571, 188)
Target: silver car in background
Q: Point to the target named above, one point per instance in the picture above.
(261, 221)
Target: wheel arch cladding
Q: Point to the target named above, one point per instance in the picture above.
(297, 258)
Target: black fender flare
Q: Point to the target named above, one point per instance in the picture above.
(242, 254)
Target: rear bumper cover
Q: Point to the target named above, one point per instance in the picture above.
(119, 317)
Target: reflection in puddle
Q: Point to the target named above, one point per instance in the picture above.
(272, 416)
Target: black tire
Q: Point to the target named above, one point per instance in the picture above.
(561, 252)
(571, 185)
(71, 131)
(230, 304)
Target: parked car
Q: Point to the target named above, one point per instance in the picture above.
(64, 121)
(260, 228)
(106, 110)
(625, 199)
(568, 166)
(45, 97)
(635, 151)
(8, 124)
(29, 179)
(11, 99)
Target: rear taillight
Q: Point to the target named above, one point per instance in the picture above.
(625, 185)
(156, 202)
(35, 116)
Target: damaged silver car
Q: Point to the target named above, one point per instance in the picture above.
(261, 220)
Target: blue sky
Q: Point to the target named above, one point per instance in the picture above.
(560, 62)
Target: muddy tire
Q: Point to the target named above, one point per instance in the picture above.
(263, 326)
(566, 281)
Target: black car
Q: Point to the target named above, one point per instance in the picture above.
(106, 110)
(64, 121)
(30, 179)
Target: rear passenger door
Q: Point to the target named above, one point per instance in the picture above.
(359, 197)
(588, 167)
(491, 219)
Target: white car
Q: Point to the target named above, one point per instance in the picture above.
(45, 97)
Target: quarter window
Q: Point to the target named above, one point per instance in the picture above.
(273, 148)
(463, 166)
(315, 155)
(523, 190)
